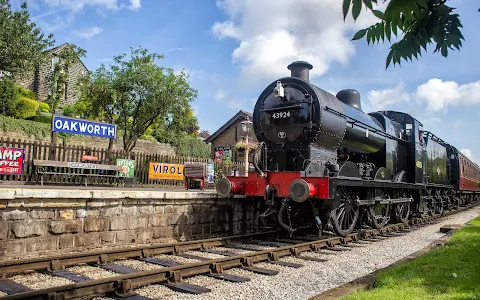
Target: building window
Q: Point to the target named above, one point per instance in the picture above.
(54, 62)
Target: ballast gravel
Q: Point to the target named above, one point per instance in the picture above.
(138, 265)
(314, 277)
(92, 272)
(39, 281)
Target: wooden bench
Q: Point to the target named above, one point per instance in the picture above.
(44, 167)
(195, 171)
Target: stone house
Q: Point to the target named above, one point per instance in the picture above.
(224, 140)
(39, 80)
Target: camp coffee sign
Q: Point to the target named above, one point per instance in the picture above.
(83, 127)
(11, 160)
(165, 171)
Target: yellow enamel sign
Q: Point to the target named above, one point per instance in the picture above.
(165, 171)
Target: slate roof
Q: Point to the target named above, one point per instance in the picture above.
(235, 118)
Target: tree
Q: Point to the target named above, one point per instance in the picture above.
(422, 22)
(136, 93)
(22, 44)
(204, 134)
(65, 59)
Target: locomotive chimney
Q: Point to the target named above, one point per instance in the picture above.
(300, 69)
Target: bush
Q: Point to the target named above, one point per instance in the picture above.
(25, 107)
(7, 96)
(41, 119)
(44, 107)
(30, 128)
(192, 147)
(25, 93)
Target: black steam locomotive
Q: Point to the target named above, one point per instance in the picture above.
(322, 159)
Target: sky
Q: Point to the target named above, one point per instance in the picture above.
(233, 49)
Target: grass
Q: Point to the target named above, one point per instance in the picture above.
(449, 272)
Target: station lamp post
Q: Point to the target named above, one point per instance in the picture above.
(246, 129)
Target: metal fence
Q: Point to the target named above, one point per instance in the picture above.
(68, 153)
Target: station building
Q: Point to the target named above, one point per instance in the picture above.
(225, 140)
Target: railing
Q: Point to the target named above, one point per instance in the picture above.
(62, 152)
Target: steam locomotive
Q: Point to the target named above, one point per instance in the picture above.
(321, 160)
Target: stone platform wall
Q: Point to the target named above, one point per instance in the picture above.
(50, 220)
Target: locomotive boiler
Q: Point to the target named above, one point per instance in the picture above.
(322, 160)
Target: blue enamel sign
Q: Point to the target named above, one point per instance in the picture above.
(83, 127)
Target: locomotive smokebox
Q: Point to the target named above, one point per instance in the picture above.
(300, 69)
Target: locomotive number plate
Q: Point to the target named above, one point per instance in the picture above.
(282, 115)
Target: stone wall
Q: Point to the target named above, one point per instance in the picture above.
(142, 146)
(47, 220)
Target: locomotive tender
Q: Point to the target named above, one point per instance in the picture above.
(321, 159)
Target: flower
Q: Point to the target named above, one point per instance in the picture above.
(244, 145)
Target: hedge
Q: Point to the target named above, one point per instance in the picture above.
(44, 107)
(39, 130)
(25, 107)
(26, 93)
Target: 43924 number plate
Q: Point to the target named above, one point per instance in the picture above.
(282, 115)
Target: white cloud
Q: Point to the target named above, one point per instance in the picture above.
(233, 102)
(78, 5)
(89, 33)
(468, 153)
(457, 124)
(383, 99)
(135, 4)
(431, 97)
(438, 94)
(220, 95)
(272, 34)
(175, 49)
(62, 13)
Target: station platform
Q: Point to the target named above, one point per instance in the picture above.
(9, 192)
(40, 219)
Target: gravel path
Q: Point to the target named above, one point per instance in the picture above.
(315, 277)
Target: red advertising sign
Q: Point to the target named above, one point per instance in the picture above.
(90, 157)
(11, 161)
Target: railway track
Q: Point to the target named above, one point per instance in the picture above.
(234, 252)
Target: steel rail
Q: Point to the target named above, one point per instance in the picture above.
(123, 285)
(57, 262)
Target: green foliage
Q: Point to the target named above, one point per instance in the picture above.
(39, 130)
(422, 22)
(22, 44)
(66, 58)
(7, 96)
(25, 93)
(190, 146)
(41, 119)
(136, 93)
(44, 107)
(449, 272)
(25, 107)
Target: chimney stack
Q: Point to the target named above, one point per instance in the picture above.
(300, 69)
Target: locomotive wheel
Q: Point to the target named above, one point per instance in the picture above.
(401, 211)
(380, 213)
(345, 216)
(438, 203)
(449, 200)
